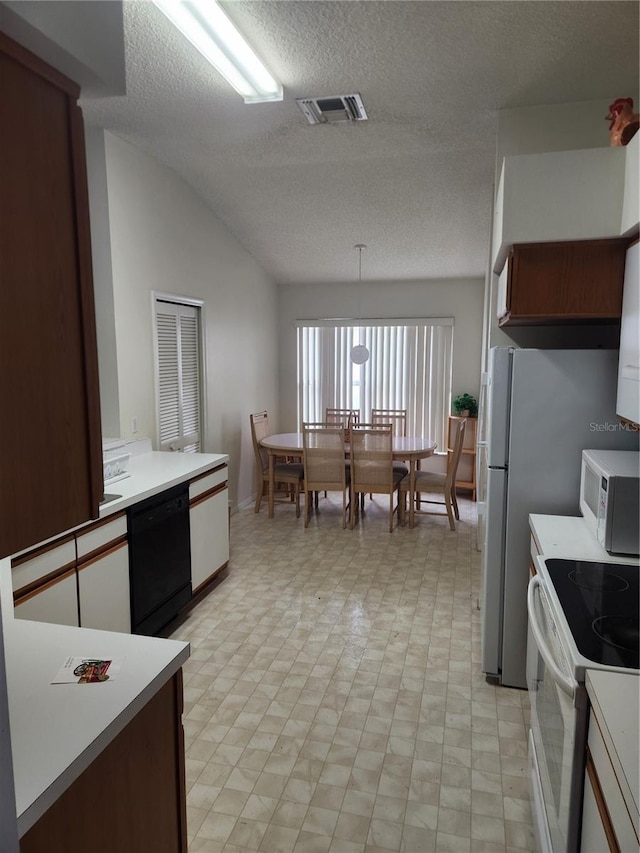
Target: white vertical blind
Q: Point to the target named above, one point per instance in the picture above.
(409, 368)
(178, 376)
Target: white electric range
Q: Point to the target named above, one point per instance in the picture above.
(583, 614)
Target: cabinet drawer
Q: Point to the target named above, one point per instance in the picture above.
(208, 481)
(97, 536)
(38, 564)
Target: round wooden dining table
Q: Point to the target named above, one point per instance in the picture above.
(405, 448)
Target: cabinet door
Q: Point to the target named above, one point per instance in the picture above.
(576, 282)
(55, 601)
(50, 442)
(103, 590)
(596, 828)
(209, 523)
(132, 797)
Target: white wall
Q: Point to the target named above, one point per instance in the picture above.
(461, 299)
(164, 238)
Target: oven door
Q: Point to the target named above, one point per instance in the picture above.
(558, 730)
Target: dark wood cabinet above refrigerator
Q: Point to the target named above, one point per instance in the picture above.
(562, 283)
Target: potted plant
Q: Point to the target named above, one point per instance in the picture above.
(465, 405)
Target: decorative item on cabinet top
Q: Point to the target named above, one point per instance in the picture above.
(624, 122)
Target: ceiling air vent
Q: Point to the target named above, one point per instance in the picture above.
(332, 109)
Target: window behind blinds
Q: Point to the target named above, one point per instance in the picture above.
(178, 368)
(409, 368)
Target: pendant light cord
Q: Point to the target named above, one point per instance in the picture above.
(359, 353)
(360, 247)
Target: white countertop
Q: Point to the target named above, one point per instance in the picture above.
(569, 538)
(155, 471)
(615, 698)
(57, 730)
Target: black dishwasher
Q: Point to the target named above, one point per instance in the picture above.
(159, 559)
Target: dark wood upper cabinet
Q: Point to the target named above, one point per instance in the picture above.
(563, 283)
(50, 441)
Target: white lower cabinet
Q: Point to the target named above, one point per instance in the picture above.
(82, 579)
(103, 591)
(610, 817)
(103, 575)
(209, 524)
(44, 583)
(595, 822)
(54, 601)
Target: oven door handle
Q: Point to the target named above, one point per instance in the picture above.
(555, 672)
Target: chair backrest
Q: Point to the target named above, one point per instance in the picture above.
(454, 456)
(397, 417)
(324, 456)
(372, 457)
(345, 417)
(260, 429)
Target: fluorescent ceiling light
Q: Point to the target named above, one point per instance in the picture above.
(209, 30)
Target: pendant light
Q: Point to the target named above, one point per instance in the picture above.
(359, 353)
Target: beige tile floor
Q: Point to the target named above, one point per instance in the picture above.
(334, 701)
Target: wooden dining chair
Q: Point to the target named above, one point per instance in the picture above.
(288, 476)
(324, 469)
(432, 483)
(398, 419)
(346, 417)
(372, 465)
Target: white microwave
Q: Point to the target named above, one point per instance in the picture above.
(610, 498)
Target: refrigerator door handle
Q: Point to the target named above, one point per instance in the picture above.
(566, 684)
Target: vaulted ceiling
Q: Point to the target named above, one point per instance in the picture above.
(415, 181)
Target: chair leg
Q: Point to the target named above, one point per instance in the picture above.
(391, 513)
(401, 507)
(308, 497)
(352, 513)
(259, 495)
(452, 523)
(344, 509)
(297, 488)
(454, 501)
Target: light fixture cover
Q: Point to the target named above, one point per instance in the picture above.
(359, 354)
(211, 31)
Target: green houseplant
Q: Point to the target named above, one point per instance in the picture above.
(465, 405)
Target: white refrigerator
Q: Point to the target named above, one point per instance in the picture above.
(542, 408)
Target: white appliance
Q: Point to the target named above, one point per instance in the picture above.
(544, 407)
(610, 498)
(582, 615)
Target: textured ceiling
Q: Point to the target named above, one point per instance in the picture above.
(414, 183)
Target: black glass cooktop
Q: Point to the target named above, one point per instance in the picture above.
(601, 603)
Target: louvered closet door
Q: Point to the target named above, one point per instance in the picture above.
(178, 376)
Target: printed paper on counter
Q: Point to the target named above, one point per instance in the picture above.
(85, 670)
